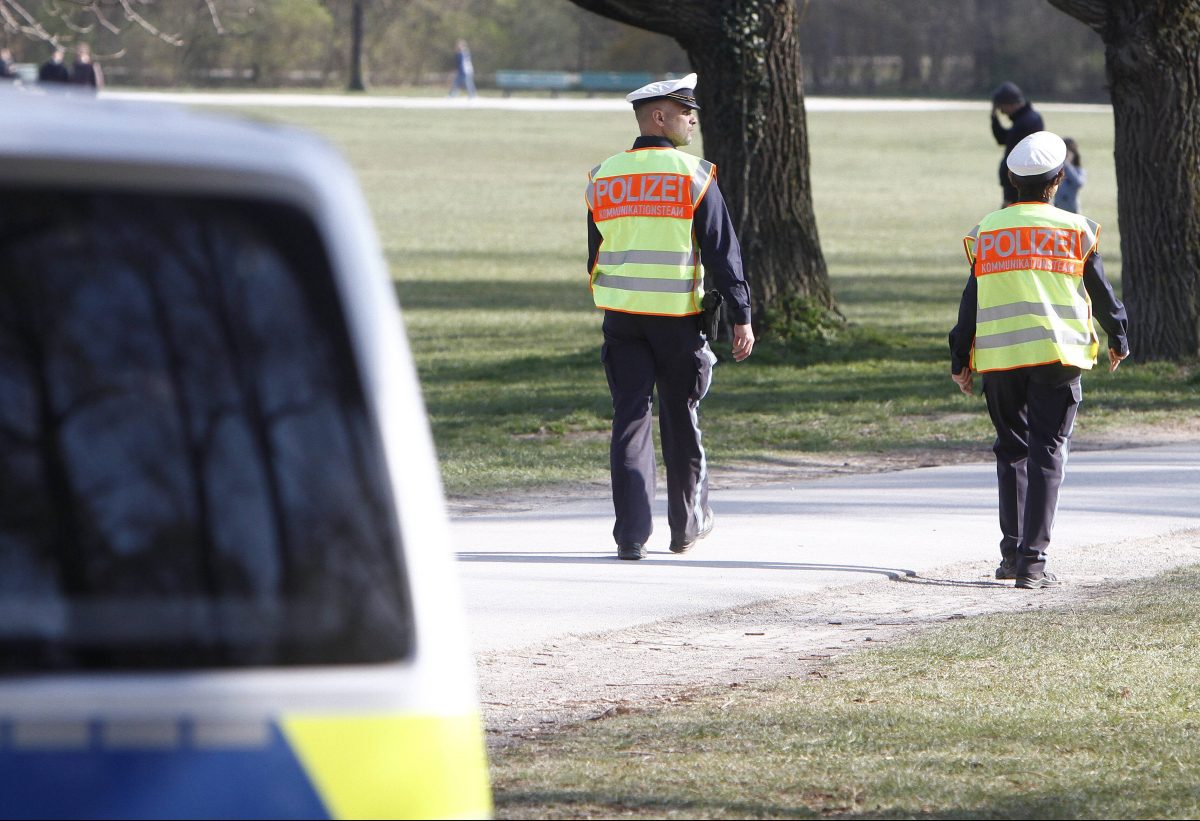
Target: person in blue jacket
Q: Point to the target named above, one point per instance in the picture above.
(1074, 178)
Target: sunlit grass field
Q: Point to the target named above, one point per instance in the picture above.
(482, 220)
(1087, 711)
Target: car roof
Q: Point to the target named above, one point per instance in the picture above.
(139, 145)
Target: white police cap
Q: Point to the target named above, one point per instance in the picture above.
(681, 90)
(1040, 154)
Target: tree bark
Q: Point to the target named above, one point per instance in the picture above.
(1152, 59)
(751, 93)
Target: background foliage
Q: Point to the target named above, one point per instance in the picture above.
(908, 47)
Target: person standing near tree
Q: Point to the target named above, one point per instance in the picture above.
(54, 70)
(656, 224)
(86, 73)
(1026, 322)
(6, 65)
(1074, 178)
(1008, 100)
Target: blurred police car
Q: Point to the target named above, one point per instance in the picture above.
(226, 588)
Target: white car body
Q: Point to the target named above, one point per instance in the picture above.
(398, 738)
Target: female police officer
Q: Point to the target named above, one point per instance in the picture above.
(1026, 323)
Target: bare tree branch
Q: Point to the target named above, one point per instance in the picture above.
(130, 14)
(32, 27)
(69, 18)
(104, 21)
(212, 11)
(1092, 13)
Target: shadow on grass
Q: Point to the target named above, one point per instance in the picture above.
(836, 803)
(599, 803)
(491, 294)
(867, 289)
(893, 573)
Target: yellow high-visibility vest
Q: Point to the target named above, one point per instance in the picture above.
(642, 202)
(1032, 306)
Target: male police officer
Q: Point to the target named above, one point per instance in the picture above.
(1025, 322)
(656, 224)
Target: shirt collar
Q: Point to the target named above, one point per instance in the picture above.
(652, 142)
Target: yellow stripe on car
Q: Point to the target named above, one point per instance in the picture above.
(398, 766)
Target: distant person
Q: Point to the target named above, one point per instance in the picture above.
(1074, 178)
(54, 70)
(7, 72)
(1028, 326)
(656, 224)
(1008, 100)
(464, 71)
(86, 73)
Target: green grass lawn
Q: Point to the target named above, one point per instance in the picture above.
(481, 216)
(1086, 712)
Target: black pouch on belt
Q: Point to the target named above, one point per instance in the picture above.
(710, 319)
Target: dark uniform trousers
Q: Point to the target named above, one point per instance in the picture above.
(641, 353)
(1033, 410)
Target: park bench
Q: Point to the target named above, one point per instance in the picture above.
(624, 81)
(552, 81)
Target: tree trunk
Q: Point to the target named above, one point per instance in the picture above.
(751, 92)
(356, 47)
(1154, 78)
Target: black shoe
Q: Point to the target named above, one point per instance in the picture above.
(1038, 582)
(1006, 570)
(681, 545)
(632, 551)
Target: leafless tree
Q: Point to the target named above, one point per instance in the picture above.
(61, 21)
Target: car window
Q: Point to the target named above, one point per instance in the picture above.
(189, 474)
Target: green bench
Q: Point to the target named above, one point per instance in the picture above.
(626, 81)
(508, 81)
(552, 81)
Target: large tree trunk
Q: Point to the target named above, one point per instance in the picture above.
(1153, 65)
(747, 56)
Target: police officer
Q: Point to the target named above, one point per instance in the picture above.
(1008, 100)
(656, 224)
(1026, 323)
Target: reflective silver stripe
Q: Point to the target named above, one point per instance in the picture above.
(969, 243)
(1092, 233)
(141, 734)
(1030, 335)
(66, 734)
(590, 194)
(227, 733)
(659, 286)
(1031, 309)
(676, 258)
(700, 180)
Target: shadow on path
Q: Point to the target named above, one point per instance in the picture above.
(894, 573)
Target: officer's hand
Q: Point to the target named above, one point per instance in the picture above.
(965, 381)
(743, 341)
(1114, 360)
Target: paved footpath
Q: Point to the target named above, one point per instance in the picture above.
(533, 575)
